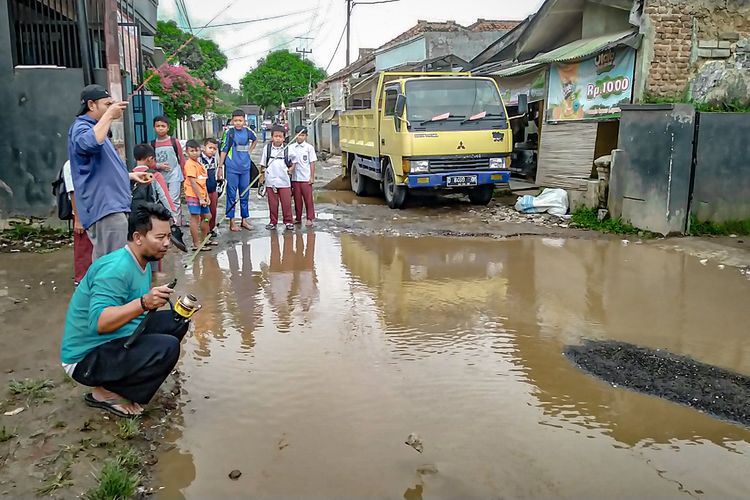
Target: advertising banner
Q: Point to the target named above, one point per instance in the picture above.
(592, 89)
(532, 84)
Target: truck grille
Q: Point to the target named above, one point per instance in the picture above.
(459, 163)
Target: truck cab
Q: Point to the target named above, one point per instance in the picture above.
(446, 131)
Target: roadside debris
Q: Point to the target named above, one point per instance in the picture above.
(235, 475)
(551, 200)
(13, 412)
(415, 442)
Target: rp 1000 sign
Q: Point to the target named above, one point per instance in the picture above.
(592, 89)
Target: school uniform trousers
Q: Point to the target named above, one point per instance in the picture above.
(138, 372)
(283, 195)
(82, 253)
(302, 191)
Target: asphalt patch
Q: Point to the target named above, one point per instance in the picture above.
(707, 388)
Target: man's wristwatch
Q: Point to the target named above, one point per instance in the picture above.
(143, 304)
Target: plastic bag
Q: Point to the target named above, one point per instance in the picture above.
(554, 201)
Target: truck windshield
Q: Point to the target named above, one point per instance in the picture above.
(468, 103)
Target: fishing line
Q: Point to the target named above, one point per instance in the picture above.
(247, 189)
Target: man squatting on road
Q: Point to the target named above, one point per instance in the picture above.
(108, 306)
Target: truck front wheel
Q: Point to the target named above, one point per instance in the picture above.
(481, 195)
(395, 195)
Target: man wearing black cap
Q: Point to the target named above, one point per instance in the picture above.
(100, 177)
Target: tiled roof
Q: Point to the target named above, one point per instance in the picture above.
(492, 25)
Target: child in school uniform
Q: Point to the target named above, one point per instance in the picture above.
(275, 170)
(303, 158)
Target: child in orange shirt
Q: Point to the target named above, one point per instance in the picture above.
(196, 194)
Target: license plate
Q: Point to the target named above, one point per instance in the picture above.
(461, 180)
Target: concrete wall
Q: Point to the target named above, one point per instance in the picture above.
(721, 189)
(38, 106)
(413, 51)
(466, 45)
(601, 19)
(689, 40)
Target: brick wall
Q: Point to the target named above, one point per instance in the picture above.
(682, 35)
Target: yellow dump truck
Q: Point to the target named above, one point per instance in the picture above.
(446, 131)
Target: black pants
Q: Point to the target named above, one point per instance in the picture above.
(136, 373)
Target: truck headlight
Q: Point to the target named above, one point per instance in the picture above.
(419, 166)
(497, 163)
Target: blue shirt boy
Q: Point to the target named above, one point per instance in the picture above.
(238, 152)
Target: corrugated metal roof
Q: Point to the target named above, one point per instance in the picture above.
(579, 49)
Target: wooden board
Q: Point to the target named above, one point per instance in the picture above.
(566, 155)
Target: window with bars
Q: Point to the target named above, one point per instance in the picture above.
(45, 32)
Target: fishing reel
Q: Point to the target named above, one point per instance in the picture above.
(186, 307)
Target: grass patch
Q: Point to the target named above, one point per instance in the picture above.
(6, 434)
(588, 219)
(707, 228)
(116, 482)
(34, 390)
(21, 232)
(130, 459)
(59, 481)
(128, 428)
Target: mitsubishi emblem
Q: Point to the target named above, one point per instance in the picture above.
(461, 145)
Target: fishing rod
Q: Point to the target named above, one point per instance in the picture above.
(247, 189)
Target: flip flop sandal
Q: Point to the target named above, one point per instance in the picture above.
(108, 405)
(204, 249)
(212, 243)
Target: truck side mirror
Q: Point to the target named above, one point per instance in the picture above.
(523, 104)
(400, 105)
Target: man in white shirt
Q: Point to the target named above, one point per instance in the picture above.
(303, 158)
(275, 168)
(82, 247)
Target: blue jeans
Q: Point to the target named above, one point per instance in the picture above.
(238, 181)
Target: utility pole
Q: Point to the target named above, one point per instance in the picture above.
(348, 27)
(304, 51)
(114, 77)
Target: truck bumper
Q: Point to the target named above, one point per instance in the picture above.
(440, 180)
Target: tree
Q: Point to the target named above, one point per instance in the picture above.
(280, 77)
(201, 56)
(180, 93)
(227, 99)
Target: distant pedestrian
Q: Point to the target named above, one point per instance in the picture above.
(303, 158)
(82, 247)
(239, 143)
(170, 161)
(196, 194)
(276, 168)
(215, 176)
(100, 177)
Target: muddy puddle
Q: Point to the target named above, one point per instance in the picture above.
(316, 355)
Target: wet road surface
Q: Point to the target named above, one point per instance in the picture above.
(317, 354)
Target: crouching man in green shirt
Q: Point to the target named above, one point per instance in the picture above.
(106, 308)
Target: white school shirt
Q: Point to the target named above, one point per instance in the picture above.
(68, 177)
(277, 175)
(302, 155)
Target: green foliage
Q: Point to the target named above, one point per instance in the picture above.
(587, 218)
(129, 458)
(35, 391)
(227, 100)
(280, 77)
(116, 482)
(128, 428)
(201, 56)
(707, 228)
(22, 232)
(180, 93)
(703, 107)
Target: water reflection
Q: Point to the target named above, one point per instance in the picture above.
(459, 340)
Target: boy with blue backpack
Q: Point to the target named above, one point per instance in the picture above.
(238, 144)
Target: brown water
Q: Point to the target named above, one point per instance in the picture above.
(316, 355)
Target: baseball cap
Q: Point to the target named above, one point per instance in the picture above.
(91, 93)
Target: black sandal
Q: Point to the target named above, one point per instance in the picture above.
(108, 405)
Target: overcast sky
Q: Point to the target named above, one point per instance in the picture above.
(323, 21)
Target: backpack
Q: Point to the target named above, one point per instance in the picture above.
(143, 193)
(229, 137)
(174, 146)
(59, 191)
(286, 155)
